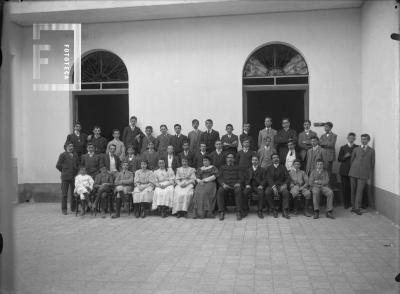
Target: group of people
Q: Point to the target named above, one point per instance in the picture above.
(194, 175)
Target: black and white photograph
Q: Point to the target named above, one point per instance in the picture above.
(200, 147)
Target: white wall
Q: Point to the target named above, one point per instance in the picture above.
(380, 89)
(185, 68)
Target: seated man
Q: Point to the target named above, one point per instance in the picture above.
(91, 161)
(319, 182)
(123, 186)
(255, 183)
(230, 181)
(278, 180)
(103, 184)
(112, 161)
(299, 186)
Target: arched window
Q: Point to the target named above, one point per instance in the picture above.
(275, 64)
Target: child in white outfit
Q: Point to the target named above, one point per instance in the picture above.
(83, 186)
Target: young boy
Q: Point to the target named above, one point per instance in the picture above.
(304, 141)
(194, 137)
(132, 158)
(245, 136)
(67, 164)
(178, 139)
(243, 157)
(83, 187)
(99, 142)
(186, 153)
(299, 186)
(265, 153)
(291, 155)
(268, 131)
(314, 154)
(209, 136)
(91, 161)
(119, 145)
(78, 139)
(132, 134)
(148, 137)
(218, 156)
(362, 166)
(151, 156)
(123, 187)
(112, 161)
(283, 136)
(345, 162)
(319, 183)
(103, 184)
(328, 142)
(163, 140)
(198, 157)
(229, 141)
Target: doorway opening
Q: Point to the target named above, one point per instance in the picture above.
(104, 99)
(275, 84)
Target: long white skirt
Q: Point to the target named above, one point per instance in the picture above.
(182, 198)
(163, 197)
(143, 196)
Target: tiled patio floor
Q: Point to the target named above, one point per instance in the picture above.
(68, 254)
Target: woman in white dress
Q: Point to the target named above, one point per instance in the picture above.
(143, 193)
(164, 180)
(183, 194)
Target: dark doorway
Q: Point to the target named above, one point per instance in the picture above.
(277, 105)
(109, 111)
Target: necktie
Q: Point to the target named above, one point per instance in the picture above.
(268, 131)
(291, 153)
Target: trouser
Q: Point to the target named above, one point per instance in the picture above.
(327, 192)
(247, 193)
(346, 190)
(65, 186)
(237, 191)
(357, 189)
(273, 200)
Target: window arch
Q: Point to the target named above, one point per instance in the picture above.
(275, 64)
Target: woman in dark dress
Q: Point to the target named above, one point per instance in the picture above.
(204, 194)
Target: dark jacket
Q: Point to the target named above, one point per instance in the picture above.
(100, 144)
(189, 157)
(175, 162)
(257, 177)
(79, 142)
(209, 139)
(218, 160)
(177, 142)
(92, 164)
(230, 175)
(281, 139)
(243, 159)
(277, 176)
(129, 137)
(345, 163)
(107, 162)
(252, 142)
(198, 159)
(68, 166)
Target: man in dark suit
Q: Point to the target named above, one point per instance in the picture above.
(345, 162)
(278, 180)
(67, 164)
(218, 156)
(243, 157)
(245, 136)
(304, 141)
(99, 142)
(178, 139)
(198, 157)
(209, 136)
(78, 139)
(112, 161)
(256, 181)
(91, 161)
(362, 166)
(229, 141)
(290, 156)
(230, 181)
(171, 160)
(186, 153)
(283, 136)
(132, 135)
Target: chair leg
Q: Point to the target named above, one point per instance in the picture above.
(76, 205)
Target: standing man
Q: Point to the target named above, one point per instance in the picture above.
(112, 161)
(178, 139)
(362, 165)
(98, 141)
(328, 142)
(209, 136)
(132, 135)
(265, 153)
(243, 157)
(91, 161)
(314, 154)
(67, 164)
(230, 141)
(78, 139)
(187, 154)
(147, 138)
(278, 180)
(194, 137)
(218, 156)
(267, 132)
(245, 135)
(230, 181)
(163, 141)
(256, 181)
(119, 145)
(283, 136)
(345, 162)
(304, 142)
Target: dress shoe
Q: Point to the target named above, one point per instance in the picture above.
(358, 211)
(285, 214)
(316, 214)
(210, 214)
(238, 216)
(64, 212)
(275, 213)
(329, 214)
(306, 212)
(143, 213)
(115, 216)
(245, 213)
(260, 214)
(221, 216)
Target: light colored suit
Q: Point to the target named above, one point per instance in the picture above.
(304, 142)
(328, 143)
(362, 164)
(262, 137)
(313, 157)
